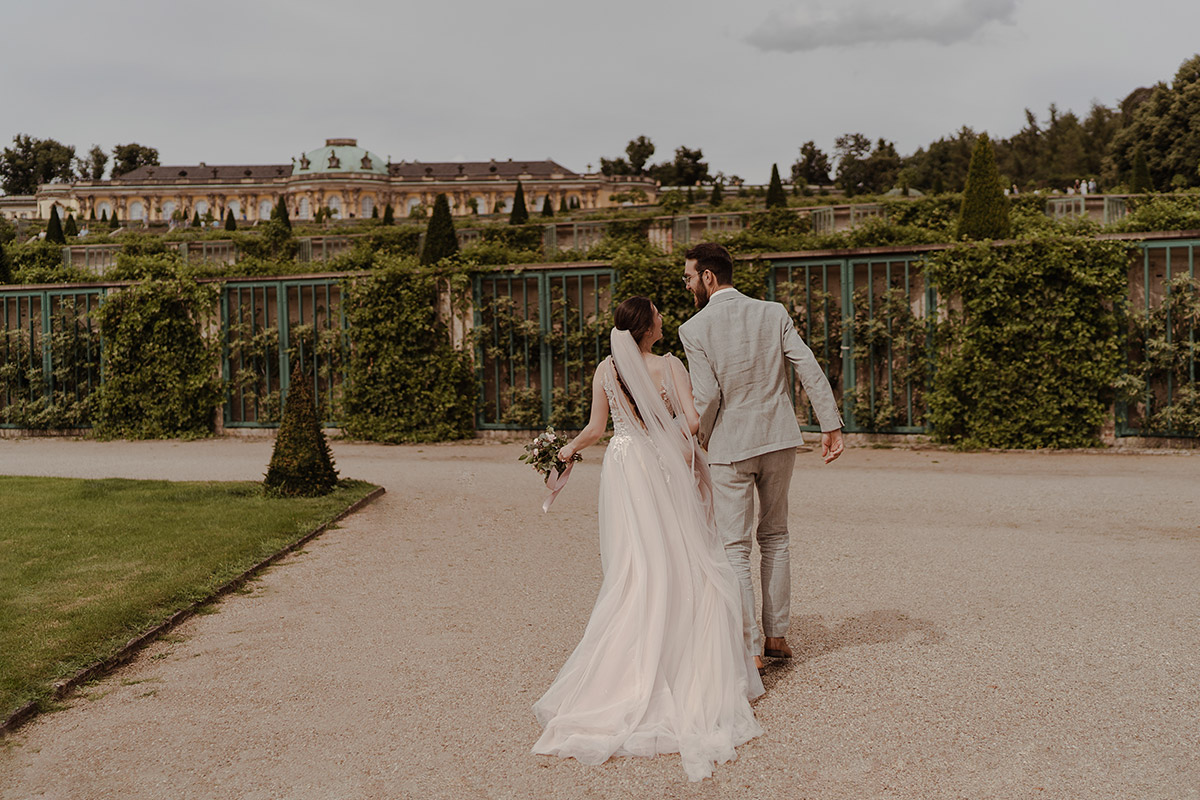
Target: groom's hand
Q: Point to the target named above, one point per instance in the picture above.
(832, 445)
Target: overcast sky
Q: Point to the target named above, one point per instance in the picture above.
(261, 81)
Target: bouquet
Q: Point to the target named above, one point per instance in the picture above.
(542, 453)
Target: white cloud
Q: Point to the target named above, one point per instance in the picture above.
(812, 24)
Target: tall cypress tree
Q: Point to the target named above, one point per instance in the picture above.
(776, 198)
(92, 216)
(389, 215)
(114, 221)
(547, 207)
(519, 215)
(1142, 181)
(196, 219)
(54, 231)
(280, 213)
(440, 239)
(562, 205)
(230, 222)
(71, 229)
(716, 199)
(984, 213)
(104, 216)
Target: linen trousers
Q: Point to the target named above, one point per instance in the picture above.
(734, 487)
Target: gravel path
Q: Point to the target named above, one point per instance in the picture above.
(967, 625)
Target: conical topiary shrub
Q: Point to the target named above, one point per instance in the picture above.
(389, 215)
(301, 464)
(775, 194)
(280, 214)
(71, 228)
(230, 222)
(984, 213)
(54, 231)
(547, 207)
(440, 239)
(1141, 183)
(5, 269)
(519, 214)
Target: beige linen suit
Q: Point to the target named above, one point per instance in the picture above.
(740, 352)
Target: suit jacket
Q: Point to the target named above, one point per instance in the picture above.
(739, 350)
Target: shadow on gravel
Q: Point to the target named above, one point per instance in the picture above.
(810, 638)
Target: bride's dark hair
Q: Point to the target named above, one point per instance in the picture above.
(635, 315)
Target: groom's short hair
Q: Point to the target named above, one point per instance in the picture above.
(714, 258)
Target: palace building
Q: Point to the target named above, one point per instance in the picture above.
(349, 181)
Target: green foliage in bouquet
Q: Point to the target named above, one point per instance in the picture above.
(542, 452)
(301, 464)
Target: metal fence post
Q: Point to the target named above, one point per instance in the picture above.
(848, 383)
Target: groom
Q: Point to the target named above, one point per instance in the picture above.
(739, 351)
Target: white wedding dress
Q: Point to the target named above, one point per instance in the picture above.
(662, 666)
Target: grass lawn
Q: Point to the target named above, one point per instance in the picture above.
(85, 565)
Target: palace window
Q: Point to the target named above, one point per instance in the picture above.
(305, 209)
(168, 209)
(368, 205)
(137, 210)
(236, 208)
(264, 209)
(335, 207)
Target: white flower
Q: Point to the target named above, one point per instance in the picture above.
(550, 437)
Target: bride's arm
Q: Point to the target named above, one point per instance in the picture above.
(596, 425)
(683, 385)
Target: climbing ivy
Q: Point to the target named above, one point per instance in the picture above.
(161, 359)
(1159, 387)
(1030, 347)
(407, 381)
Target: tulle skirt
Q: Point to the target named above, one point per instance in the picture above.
(662, 666)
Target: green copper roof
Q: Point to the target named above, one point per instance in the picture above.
(340, 155)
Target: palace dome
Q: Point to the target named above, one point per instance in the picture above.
(340, 155)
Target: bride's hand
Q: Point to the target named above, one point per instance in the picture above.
(565, 454)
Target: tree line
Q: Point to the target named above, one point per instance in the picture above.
(30, 162)
(1148, 142)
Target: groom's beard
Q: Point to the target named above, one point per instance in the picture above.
(701, 295)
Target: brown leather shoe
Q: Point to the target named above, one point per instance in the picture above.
(758, 663)
(776, 647)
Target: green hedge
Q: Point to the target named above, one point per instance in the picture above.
(407, 382)
(161, 361)
(1031, 357)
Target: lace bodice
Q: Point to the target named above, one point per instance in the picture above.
(622, 426)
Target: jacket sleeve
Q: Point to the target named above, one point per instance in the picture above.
(705, 389)
(816, 385)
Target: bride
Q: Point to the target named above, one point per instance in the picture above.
(662, 666)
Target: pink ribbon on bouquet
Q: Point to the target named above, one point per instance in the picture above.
(555, 484)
